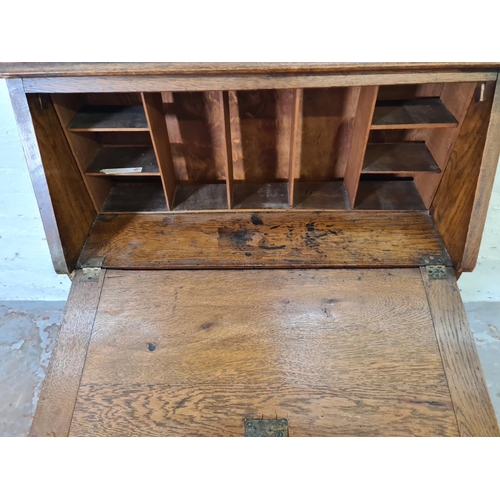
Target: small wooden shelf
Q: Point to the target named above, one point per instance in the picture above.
(200, 197)
(400, 194)
(413, 113)
(320, 196)
(124, 158)
(135, 197)
(273, 195)
(408, 157)
(109, 118)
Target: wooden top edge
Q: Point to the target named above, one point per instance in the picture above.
(53, 69)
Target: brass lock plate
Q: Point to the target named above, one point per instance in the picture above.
(276, 427)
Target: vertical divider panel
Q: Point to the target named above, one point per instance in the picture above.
(83, 146)
(295, 138)
(364, 115)
(228, 163)
(153, 107)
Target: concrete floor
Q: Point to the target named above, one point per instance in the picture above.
(28, 331)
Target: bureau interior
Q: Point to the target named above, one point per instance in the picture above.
(360, 160)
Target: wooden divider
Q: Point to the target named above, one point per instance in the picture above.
(366, 106)
(153, 107)
(295, 138)
(228, 149)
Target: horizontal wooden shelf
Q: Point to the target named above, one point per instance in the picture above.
(261, 196)
(135, 197)
(400, 194)
(405, 157)
(109, 118)
(120, 158)
(414, 113)
(200, 197)
(320, 196)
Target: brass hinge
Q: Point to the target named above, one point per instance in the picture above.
(91, 270)
(436, 272)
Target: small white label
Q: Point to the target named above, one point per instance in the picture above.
(132, 170)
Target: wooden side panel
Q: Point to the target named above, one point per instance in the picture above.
(489, 163)
(194, 353)
(366, 105)
(295, 142)
(469, 393)
(228, 149)
(70, 199)
(454, 200)
(252, 240)
(153, 107)
(37, 174)
(60, 387)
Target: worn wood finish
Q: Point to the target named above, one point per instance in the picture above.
(37, 174)
(454, 199)
(153, 107)
(182, 359)
(418, 113)
(83, 146)
(398, 157)
(360, 134)
(26, 69)
(469, 393)
(190, 83)
(125, 158)
(252, 196)
(73, 208)
(60, 387)
(379, 194)
(200, 197)
(135, 197)
(320, 196)
(489, 163)
(295, 142)
(239, 240)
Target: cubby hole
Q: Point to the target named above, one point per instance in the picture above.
(260, 122)
(325, 124)
(195, 131)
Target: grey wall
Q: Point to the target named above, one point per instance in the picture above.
(26, 270)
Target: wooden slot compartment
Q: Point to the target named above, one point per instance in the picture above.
(134, 195)
(326, 126)
(387, 193)
(407, 157)
(261, 127)
(109, 118)
(412, 113)
(120, 160)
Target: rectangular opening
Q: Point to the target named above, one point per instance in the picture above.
(260, 132)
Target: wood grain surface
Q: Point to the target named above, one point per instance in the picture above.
(190, 83)
(469, 393)
(27, 69)
(60, 387)
(489, 163)
(72, 205)
(452, 206)
(193, 353)
(265, 239)
(37, 174)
